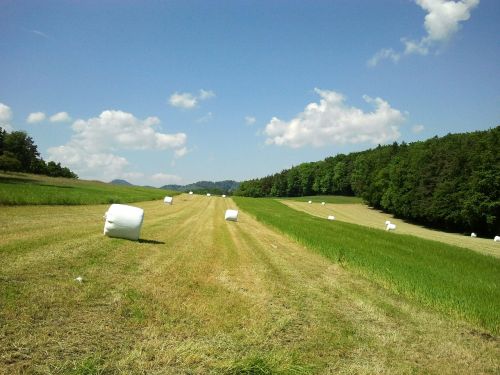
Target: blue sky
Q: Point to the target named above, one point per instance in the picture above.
(163, 92)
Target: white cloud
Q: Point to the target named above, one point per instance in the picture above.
(441, 22)
(60, 117)
(179, 153)
(187, 100)
(91, 150)
(250, 120)
(39, 33)
(205, 118)
(417, 129)
(183, 100)
(206, 94)
(35, 117)
(5, 117)
(331, 121)
(164, 179)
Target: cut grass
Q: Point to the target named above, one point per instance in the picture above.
(452, 279)
(27, 189)
(335, 199)
(363, 215)
(198, 295)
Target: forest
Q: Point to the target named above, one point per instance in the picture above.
(450, 182)
(19, 153)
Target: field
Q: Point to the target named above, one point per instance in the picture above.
(200, 295)
(29, 189)
(334, 199)
(363, 215)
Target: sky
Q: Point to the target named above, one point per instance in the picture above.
(173, 92)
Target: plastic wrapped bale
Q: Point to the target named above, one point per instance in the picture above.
(123, 221)
(473, 234)
(496, 239)
(390, 226)
(168, 200)
(309, 202)
(190, 193)
(322, 203)
(223, 195)
(231, 215)
(331, 217)
(208, 194)
(387, 222)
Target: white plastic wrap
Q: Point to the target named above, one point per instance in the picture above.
(123, 221)
(231, 215)
(331, 217)
(390, 226)
(208, 194)
(473, 234)
(190, 193)
(496, 239)
(168, 200)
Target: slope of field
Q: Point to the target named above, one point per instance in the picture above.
(363, 215)
(29, 189)
(335, 199)
(456, 281)
(200, 295)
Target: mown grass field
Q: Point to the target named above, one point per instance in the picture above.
(28, 189)
(361, 214)
(198, 295)
(456, 281)
(334, 199)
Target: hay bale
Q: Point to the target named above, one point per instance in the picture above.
(331, 217)
(496, 239)
(168, 200)
(322, 203)
(231, 215)
(208, 194)
(123, 221)
(387, 222)
(473, 234)
(390, 226)
(309, 202)
(223, 195)
(190, 193)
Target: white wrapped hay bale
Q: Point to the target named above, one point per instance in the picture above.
(473, 234)
(322, 203)
(231, 215)
(223, 195)
(309, 202)
(168, 200)
(190, 193)
(387, 222)
(208, 194)
(496, 239)
(390, 226)
(331, 217)
(123, 221)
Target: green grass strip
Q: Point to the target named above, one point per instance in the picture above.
(453, 280)
(24, 189)
(335, 199)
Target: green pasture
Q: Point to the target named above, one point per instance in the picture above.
(334, 199)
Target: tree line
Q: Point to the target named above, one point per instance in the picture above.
(19, 153)
(450, 182)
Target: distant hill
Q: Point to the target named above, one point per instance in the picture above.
(120, 182)
(226, 186)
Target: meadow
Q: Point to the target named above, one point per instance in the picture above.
(30, 189)
(333, 199)
(459, 282)
(199, 295)
(361, 214)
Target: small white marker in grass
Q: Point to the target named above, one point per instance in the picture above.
(79, 279)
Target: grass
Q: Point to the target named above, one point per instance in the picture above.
(451, 279)
(27, 189)
(363, 215)
(199, 295)
(335, 199)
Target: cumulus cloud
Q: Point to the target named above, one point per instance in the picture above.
(331, 121)
(35, 117)
(250, 120)
(417, 129)
(187, 100)
(60, 117)
(163, 178)
(5, 117)
(179, 153)
(91, 150)
(441, 22)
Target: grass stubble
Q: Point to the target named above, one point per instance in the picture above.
(200, 295)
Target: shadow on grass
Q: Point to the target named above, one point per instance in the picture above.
(151, 242)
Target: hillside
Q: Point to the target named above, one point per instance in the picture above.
(450, 182)
(226, 186)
